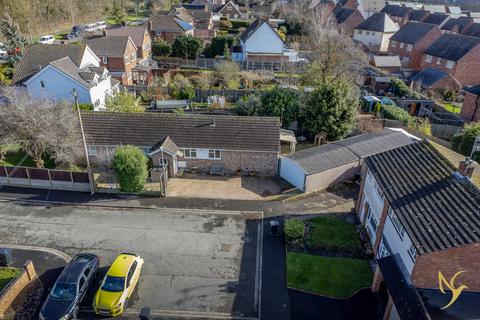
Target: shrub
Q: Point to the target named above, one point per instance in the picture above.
(397, 113)
(161, 49)
(130, 165)
(294, 229)
(225, 24)
(401, 89)
(463, 142)
(181, 88)
(236, 24)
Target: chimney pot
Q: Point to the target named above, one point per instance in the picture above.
(466, 167)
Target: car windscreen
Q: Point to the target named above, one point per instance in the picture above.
(64, 291)
(114, 284)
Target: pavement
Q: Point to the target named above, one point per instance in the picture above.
(204, 263)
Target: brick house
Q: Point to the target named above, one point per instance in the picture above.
(348, 18)
(117, 54)
(423, 218)
(457, 55)
(139, 35)
(187, 142)
(411, 41)
(398, 13)
(471, 104)
(167, 27)
(375, 32)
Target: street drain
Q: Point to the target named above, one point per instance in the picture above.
(226, 247)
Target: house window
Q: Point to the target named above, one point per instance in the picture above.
(394, 44)
(359, 31)
(384, 249)
(162, 162)
(409, 47)
(428, 58)
(412, 252)
(104, 60)
(214, 154)
(401, 45)
(190, 153)
(396, 223)
(367, 32)
(92, 150)
(439, 61)
(42, 84)
(449, 64)
(373, 33)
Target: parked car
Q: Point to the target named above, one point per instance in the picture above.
(91, 27)
(49, 39)
(3, 50)
(101, 25)
(118, 285)
(69, 289)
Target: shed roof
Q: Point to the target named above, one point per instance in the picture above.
(335, 154)
(187, 131)
(379, 22)
(412, 32)
(452, 46)
(386, 61)
(437, 209)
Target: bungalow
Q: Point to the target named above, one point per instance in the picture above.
(422, 218)
(260, 42)
(187, 142)
(376, 31)
(139, 35)
(457, 55)
(319, 167)
(471, 104)
(167, 27)
(56, 70)
(117, 54)
(411, 41)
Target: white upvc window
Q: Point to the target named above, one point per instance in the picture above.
(394, 44)
(104, 60)
(190, 153)
(401, 45)
(372, 225)
(92, 150)
(396, 223)
(439, 61)
(409, 47)
(384, 249)
(214, 154)
(412, 251)
(359, 31)
(428, 58)
(450, 64)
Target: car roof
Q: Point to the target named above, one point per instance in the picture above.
(121, 265)
(72, 272)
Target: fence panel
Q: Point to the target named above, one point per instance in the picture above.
(80, 177)
(17, 172)
(39, 174)
(61, 175)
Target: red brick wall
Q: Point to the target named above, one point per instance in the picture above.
(147, 43)
(469, 104)
(449, 262)
(354, 20)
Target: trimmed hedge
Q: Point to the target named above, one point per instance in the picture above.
(397, 113)
(294, 229)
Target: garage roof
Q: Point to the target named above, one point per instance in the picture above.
(348, 150)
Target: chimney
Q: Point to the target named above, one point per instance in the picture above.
(466, 167)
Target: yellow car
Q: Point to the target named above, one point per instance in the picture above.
(117, 286)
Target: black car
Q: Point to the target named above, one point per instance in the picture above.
(67, 293)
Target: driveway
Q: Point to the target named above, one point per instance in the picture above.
(196, 262)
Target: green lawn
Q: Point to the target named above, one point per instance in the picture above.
(333, 233)
(7, 274)
(452, 108)
(335, 277)
(15, 155)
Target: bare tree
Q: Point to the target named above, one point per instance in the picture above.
(40, 126)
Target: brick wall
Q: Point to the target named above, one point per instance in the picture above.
(449, 262)
(14, 288)
(354, 20)
(146, 51)
(469, 105)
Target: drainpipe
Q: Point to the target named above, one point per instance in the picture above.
(476, 108)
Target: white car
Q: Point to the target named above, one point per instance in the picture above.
(101, 25)
(91, 27)
(3, 50)
(49, 39)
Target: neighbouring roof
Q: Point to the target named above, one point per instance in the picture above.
(166, 23)
(338, 153)
(386, 61)
(473, 30)
(38, 56)
(380, 22)
(109, 46)
(452, 46)
(429, 76)
(474, 90)
(254, 26)
(417, 15)
(396, 10)
(454, 10)
(84, 76)
(437, 209)
(407, 301)
(457, 22)
(137, 34)
(342, 14)
(436, 18)
(228, 3)
(187, 131)
(435, 8)
(412, 32)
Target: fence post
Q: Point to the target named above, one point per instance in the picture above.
(50, 178)
(71, 178)
(28, 176)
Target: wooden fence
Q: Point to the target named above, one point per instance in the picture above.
(44, 178)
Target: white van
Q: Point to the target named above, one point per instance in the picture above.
(91, 27)
(48, 39)
(101, 25)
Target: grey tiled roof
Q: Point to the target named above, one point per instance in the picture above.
(253, 27)
(437, 209)
(109, 46)
(452, 46)
(83, 76)
(342, 14)
(457, 22)
(396, 10)
(417, 15)
(379, 22)
(412, 32)
(137, 34)
(436, 18)
(165, 23)
(473, 30)
(38, 56)
(195, 131)
(335, 154)
(474, 90)
(429, 76)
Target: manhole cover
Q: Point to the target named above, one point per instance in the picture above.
(226, 247)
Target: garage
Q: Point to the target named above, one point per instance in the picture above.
(320, 167)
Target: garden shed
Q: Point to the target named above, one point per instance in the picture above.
(319, 167)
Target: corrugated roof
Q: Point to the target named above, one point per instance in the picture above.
(380, 22)
(452, 46)
(437, 209)
(412, 32)
(335, 154)
(196, 131)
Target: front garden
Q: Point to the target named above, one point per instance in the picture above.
(7, 275)
(325, 256)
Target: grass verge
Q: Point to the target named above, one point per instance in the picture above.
(7, 274)
(334, 277)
